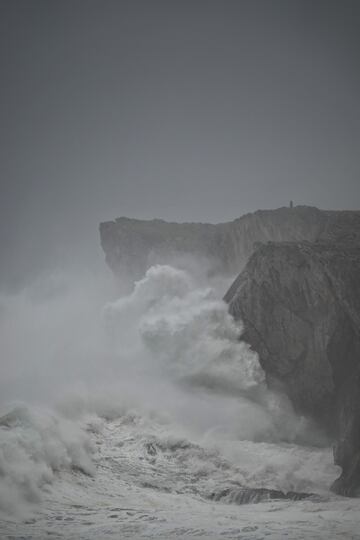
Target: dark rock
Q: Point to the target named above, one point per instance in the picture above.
(245, 495)
(300, 303)
(299, 297)
(132, 245)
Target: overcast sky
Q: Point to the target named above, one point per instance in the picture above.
(189, 110)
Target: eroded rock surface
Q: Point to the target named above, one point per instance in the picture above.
(300, 303)
(132, 245)
(299, 297)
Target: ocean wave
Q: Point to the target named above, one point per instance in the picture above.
(34, 446)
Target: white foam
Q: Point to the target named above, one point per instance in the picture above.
(34, 446)
(186, 331)
(172, 372)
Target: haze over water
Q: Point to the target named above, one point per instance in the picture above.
(143, 413)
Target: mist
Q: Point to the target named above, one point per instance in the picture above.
(74, 356)
(176, 110)
(140, 402)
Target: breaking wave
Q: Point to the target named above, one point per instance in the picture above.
(187, 332)
(169, 397)
(34, 446)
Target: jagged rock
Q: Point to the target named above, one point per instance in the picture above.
(132, 245)
(299, 298)
(300, 303)
(245, 495)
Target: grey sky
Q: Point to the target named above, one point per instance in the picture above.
(194, 110)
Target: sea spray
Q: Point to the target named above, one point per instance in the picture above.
(167, 379)
(186, 331)
(35, 444)
(181, 350)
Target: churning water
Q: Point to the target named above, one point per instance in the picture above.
(148, 417)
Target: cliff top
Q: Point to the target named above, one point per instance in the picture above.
(135, 244)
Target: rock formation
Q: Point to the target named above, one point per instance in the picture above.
(300, 304)
(132, 245)
(299, 298)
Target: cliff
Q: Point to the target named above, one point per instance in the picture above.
(300, 303)
(132, 245)
(298, 295)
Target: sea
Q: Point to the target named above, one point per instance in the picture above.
(141, 413)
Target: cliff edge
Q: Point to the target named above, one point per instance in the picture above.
(132, 245)
(300, 304)
(298, 295)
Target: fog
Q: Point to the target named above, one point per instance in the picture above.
(75, 354)
(187, 111)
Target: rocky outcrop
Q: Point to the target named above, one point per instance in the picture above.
(300, 304)
(299, 297)
(132, 245)
(243, 495)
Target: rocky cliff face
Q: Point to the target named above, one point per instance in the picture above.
(300, 303)
(132, 245)
(299, 297)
